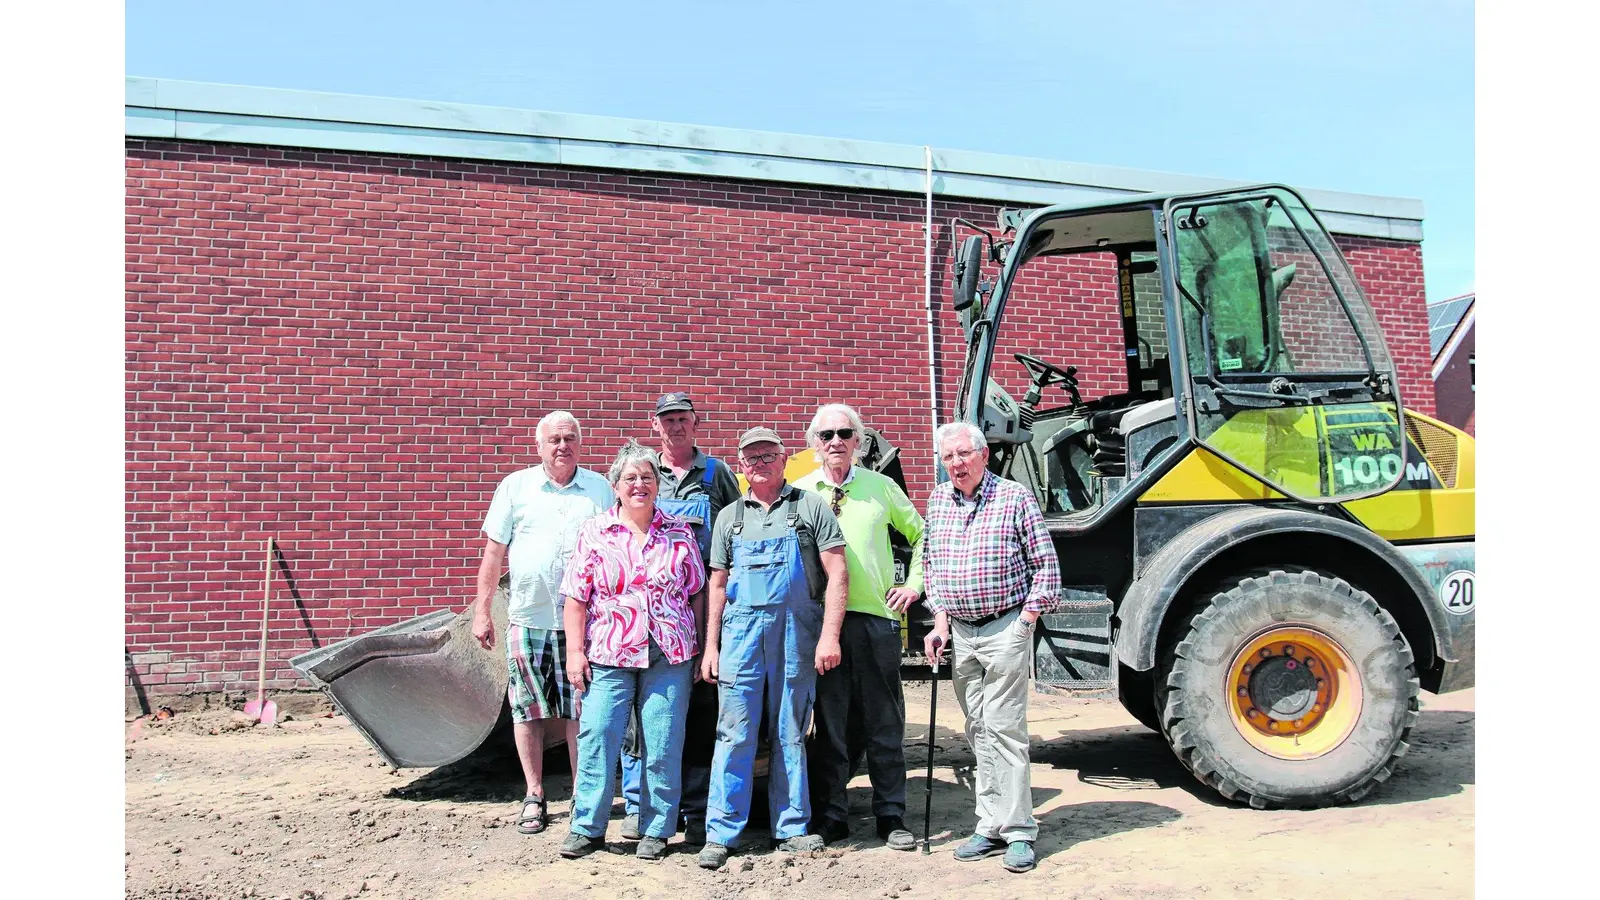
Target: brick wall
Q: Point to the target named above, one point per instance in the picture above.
(1454, 393)
(348, 351)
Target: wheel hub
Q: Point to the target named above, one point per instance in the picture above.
(1296, 694)
(1283, 688)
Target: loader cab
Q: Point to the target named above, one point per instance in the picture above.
(1106, 341)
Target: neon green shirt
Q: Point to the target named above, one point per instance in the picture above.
(872, 505)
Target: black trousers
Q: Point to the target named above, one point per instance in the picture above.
(860, 711)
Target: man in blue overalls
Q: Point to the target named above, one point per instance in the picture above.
(778, 586)
(695, 487)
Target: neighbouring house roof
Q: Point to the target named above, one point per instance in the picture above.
(186, 110)
(1444, 316)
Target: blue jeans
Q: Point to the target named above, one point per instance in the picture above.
(700, 740)
(662, 692)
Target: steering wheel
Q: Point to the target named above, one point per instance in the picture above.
(1044, 374)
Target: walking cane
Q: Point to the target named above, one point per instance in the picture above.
(933, 719)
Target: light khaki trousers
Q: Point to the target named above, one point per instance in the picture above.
(991, 666)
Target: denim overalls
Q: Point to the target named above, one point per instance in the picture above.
(770, 627)
(696, 509)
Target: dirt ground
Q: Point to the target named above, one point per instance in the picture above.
(308, 810)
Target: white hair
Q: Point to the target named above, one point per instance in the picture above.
(850, 415)
(559, 417)
(950, 429)
(631, 454)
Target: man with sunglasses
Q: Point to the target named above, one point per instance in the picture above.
(991, 572)
(778, 586)
(860, 707)
(694, 487)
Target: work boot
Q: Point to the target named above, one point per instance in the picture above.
(712, 856)
(801, 843)
(630, 828)
(978, 847)
(694, 833)
(833, 831)
(651, 848)
(892, 831)
(1019, 857)
(579, 845)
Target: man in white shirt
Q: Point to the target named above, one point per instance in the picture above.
(534, 520)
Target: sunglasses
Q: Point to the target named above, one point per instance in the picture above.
(838, 499)
(844, 434)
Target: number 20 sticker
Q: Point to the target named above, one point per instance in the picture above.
(1458, 592)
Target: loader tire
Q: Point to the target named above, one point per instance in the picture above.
(1288, 689)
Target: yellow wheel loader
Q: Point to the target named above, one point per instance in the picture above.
(1266, 556)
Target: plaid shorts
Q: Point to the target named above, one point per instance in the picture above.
(537, 660)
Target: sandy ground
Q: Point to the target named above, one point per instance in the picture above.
(308, 810)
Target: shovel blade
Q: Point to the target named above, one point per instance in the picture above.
(252, 708)
(269, 713)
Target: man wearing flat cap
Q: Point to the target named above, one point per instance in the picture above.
(778, 588)
(694, 487)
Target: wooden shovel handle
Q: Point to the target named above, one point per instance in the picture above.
(266, 594)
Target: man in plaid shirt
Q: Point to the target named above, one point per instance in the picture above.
(990, 571)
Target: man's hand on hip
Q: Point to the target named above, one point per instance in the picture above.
(900, 599)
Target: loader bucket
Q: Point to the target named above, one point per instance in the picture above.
(422, 692)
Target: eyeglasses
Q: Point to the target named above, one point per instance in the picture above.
(838, 499)
(638, 479)
(844, 434)
(963, 455)
(760, 459)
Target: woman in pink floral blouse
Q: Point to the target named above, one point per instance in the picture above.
(635, 607)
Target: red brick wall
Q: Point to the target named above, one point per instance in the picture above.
(1391, 274)
(349, 351)
(1453, 390)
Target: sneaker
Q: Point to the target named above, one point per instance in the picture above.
(892, 831)
(713, 856)
(832, 831)
(1019, 857)
(577, 845)
(978, 847)
(654, 848)
(801, 843)
(630, 828)
(694, 833)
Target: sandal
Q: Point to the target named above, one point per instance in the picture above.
(535, 823)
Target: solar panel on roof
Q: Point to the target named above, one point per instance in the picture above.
(1443, 318)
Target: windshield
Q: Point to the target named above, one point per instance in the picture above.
(1257, 299)
(1282, 348)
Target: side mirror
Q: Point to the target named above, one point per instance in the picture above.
(968, 266)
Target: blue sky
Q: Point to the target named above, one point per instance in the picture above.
(1362, 96)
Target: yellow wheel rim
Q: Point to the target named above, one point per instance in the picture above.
(1295, 693)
